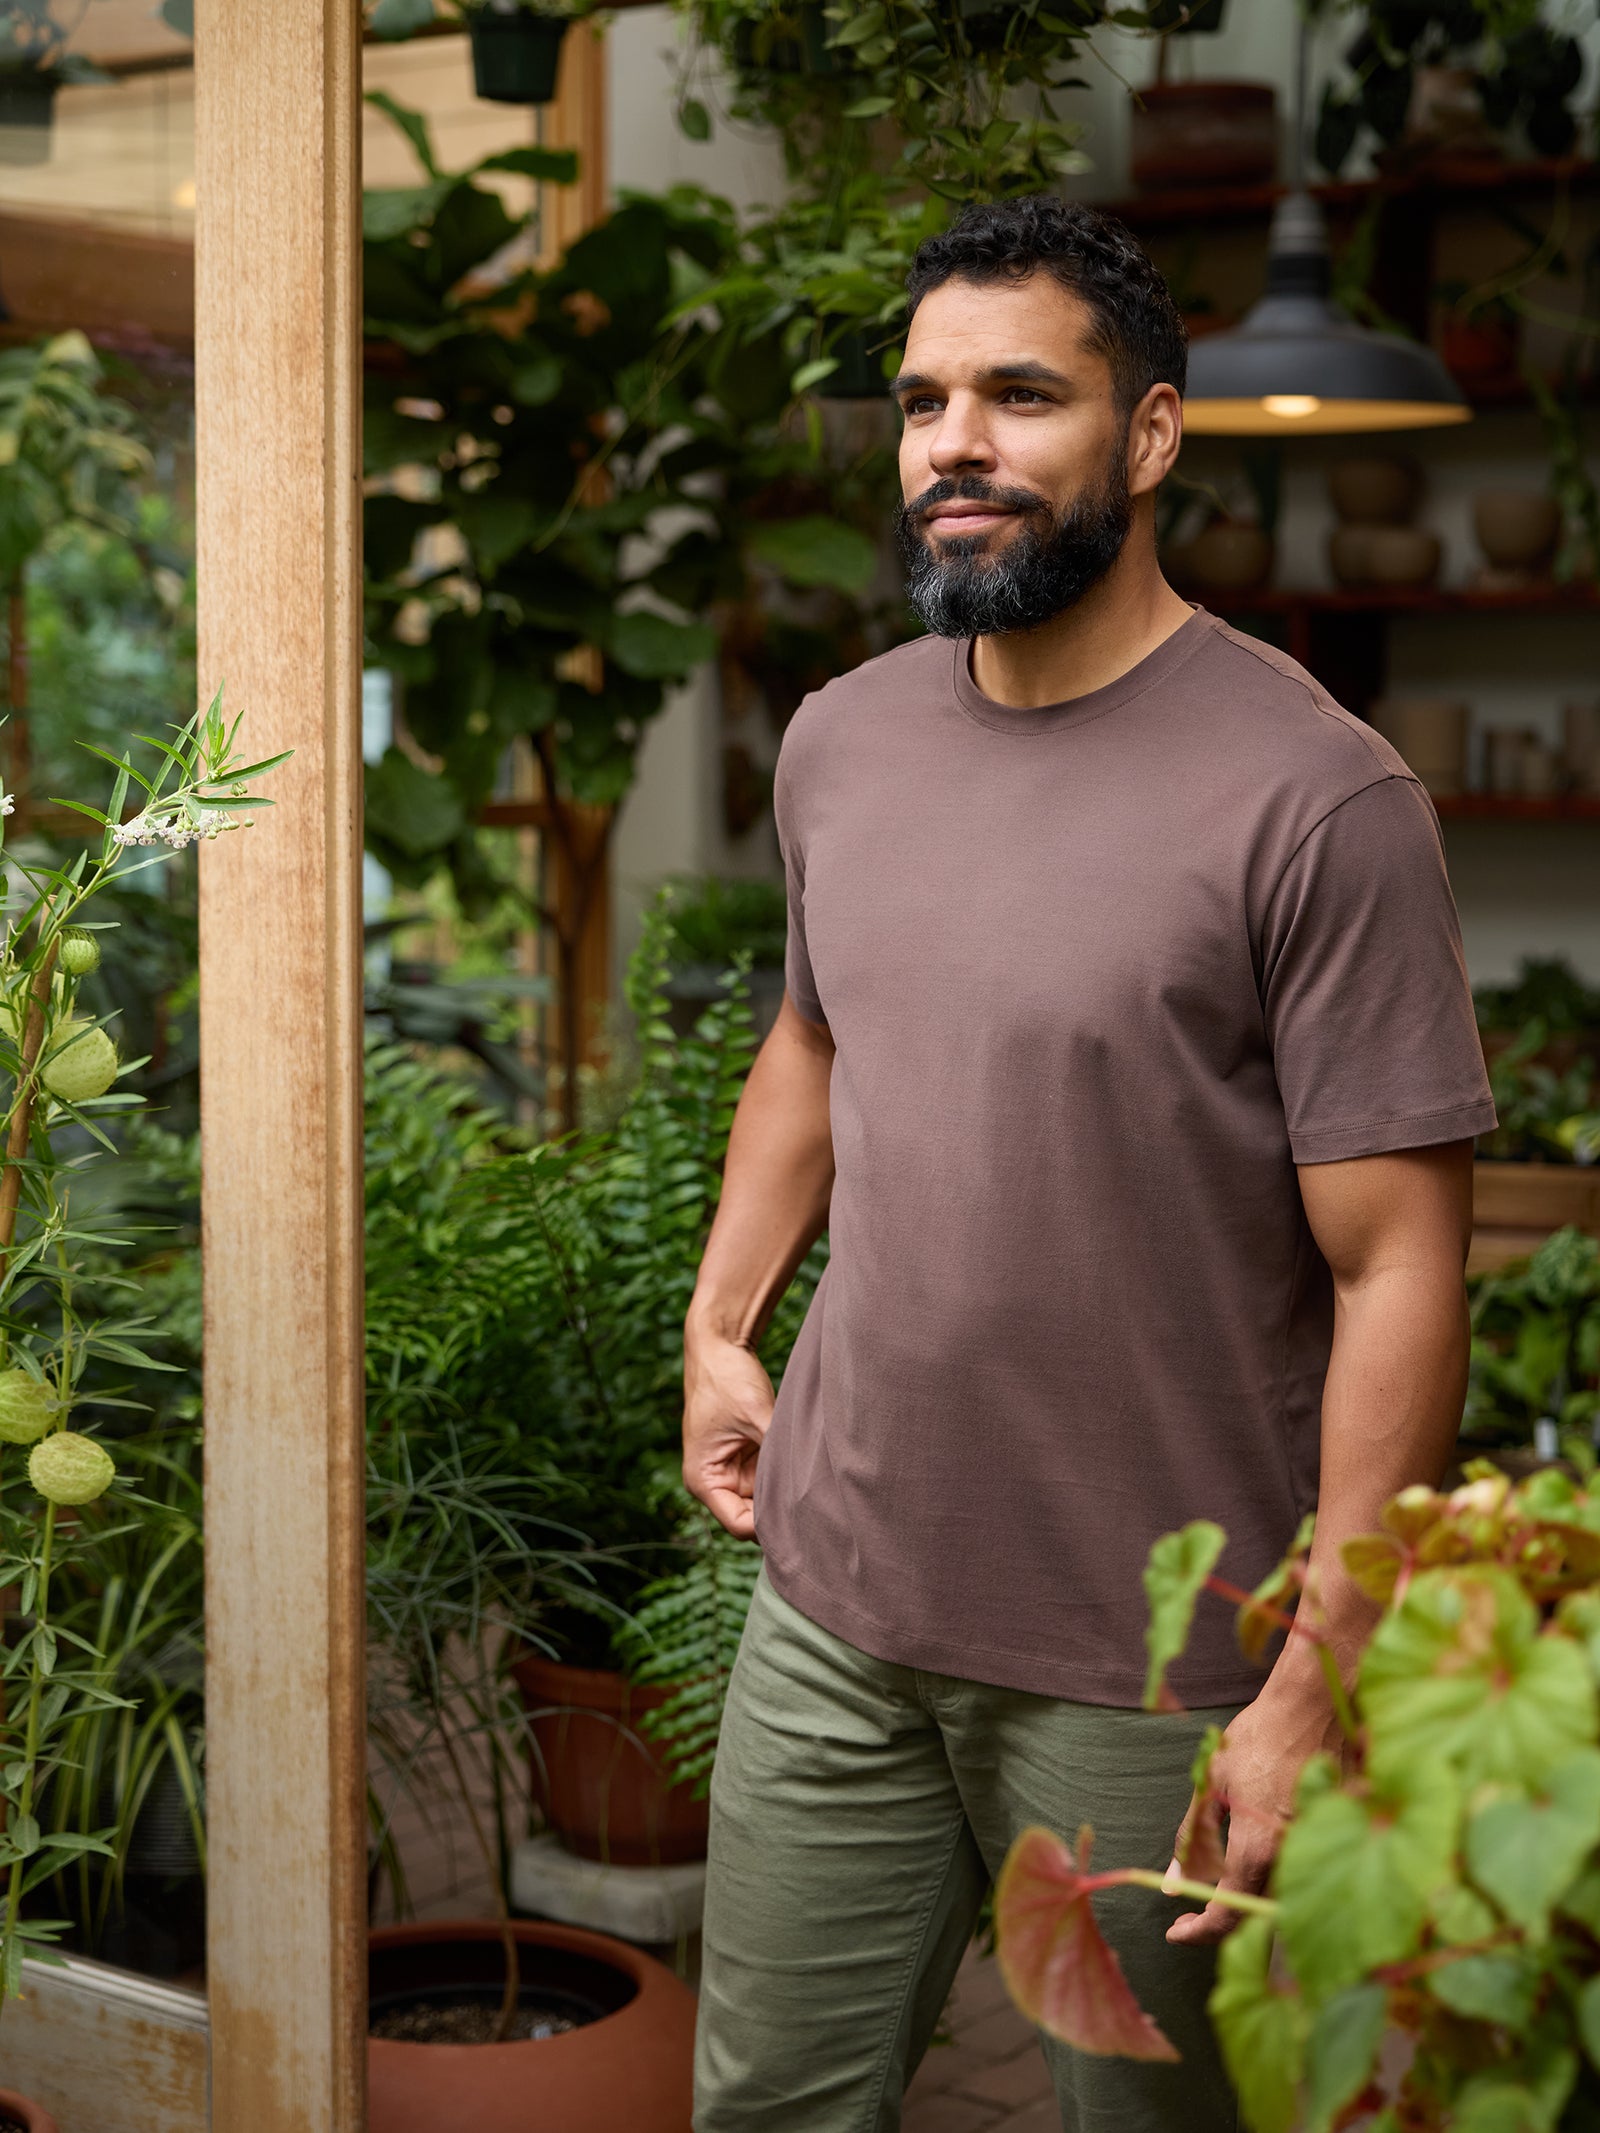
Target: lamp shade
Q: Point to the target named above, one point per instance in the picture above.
(1297, 365)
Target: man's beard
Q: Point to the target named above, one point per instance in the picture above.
(959, 590)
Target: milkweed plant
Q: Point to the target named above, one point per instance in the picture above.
(60, 1071)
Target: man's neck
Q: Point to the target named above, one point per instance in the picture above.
(1115, 625)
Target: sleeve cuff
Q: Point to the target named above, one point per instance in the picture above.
(1384, 1136)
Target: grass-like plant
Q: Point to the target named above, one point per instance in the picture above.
(62, 1067)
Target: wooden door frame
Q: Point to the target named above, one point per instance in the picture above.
(277, 347)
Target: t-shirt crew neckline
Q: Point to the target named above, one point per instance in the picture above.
(1154, 668)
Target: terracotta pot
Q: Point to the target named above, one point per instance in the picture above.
(28, 2114)
(1195, 133)
(1517, 529)
(602, 1785)
(1379, 489)
(629, 2071)
(1228, 557)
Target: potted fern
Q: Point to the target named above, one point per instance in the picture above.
(581, 1257)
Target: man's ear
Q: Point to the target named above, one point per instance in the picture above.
(1154, 435)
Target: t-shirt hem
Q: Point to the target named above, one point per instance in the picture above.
(1383, 1136)
(1032, 1673)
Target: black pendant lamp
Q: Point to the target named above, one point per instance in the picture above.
(1297, 364)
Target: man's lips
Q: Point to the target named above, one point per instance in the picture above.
(967, 518)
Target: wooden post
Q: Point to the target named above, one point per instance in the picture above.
(278, 413)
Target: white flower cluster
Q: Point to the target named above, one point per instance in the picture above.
(143, 829)
(8, 803)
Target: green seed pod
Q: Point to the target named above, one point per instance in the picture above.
(80, 952)
(27, 1408)
(86, 1068)
(67, 1468)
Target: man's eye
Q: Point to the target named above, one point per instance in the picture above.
(918, 404)
(1026, 394)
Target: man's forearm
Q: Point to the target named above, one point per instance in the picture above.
(776, 1185)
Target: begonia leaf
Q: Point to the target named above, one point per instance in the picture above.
(1460, 1673)
(1374, 1562)
(1586, 2007)
(1488, 1988)
(1178, 1566)
(1524, 1851)
(1276, 1594)
(1055, 1961)
(1261, 2028)
(1356, 1872)
(1201, 1851)
(1342, 2051)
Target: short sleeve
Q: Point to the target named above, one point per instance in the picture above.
(1368, 1009)
(798, 980)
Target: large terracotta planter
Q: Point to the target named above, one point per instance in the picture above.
(27, 2114)
(602, 1785)
(629, 2071)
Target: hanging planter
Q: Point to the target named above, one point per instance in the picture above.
(516, 54)
(27, 112)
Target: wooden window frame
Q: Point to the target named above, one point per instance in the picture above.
(277, 349)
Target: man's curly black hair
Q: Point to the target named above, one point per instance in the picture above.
(1135, 324)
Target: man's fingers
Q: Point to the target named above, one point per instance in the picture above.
(1199, 1929)
(731, 1510)
(1247, 1868)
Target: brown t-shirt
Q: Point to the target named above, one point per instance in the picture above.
(1099, 976)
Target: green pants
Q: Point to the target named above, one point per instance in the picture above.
(858, 1810)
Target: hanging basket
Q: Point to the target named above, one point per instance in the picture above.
(27, 111)
(515, 58)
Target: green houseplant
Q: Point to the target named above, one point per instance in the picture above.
(1536, 1348)
(62, 1064)
(1443, 1884)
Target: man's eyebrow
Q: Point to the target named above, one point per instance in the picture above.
(1022, 372)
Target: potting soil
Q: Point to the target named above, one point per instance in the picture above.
(456, 2020)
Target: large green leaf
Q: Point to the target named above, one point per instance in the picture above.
(1342, 2052)
(1460, 1672)
(1261, 2028)
(410, 807)
(1178, 1566)
(1489, 1988)
(816, 551)
(1355, 1874)
(1525, 1850)
(655, 649)
(411, 123)
(393, 211)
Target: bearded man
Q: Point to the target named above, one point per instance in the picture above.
(1128, 1057)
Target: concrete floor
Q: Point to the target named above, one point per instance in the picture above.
(991, 2078)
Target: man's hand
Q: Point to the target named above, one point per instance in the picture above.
(1255, 1772)
(727, 1406)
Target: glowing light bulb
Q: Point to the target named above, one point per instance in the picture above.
(1291, 407)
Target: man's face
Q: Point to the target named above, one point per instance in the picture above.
(1013, 458)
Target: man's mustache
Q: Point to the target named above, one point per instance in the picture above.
(973, 489)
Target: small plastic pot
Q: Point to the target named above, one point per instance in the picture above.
(27, 112)
(516, 58)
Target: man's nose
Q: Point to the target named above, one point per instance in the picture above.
(961, 439)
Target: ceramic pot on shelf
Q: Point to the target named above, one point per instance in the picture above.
(1376, 489)
(625, 2065)
(1230, 556)
(1400, 557)
(1430, 733)
(1185, 134)
(1517, 529)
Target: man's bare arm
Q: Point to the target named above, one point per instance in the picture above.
(1394, 1230)
(774, 1206)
